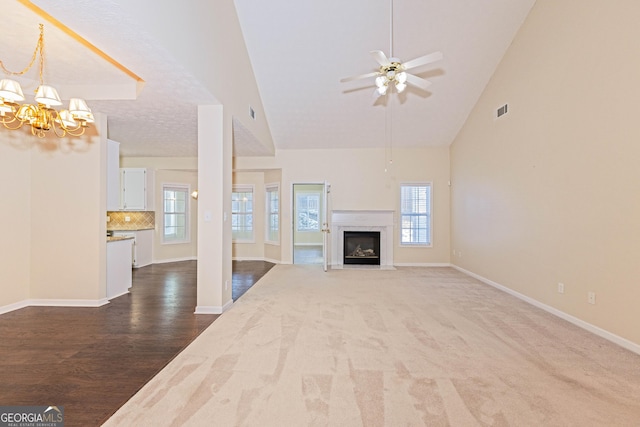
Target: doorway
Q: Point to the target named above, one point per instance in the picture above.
(308, 224)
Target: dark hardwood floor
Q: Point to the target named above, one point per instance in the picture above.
(245, 274)
(92, 360)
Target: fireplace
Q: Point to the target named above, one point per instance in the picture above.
(361, 247)
(379, 221)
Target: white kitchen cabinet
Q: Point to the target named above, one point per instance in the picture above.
(119, 276)
(136, 189)
(143, 254)
(142, 249)
(113, 175)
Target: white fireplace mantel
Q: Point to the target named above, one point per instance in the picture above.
(362, 220)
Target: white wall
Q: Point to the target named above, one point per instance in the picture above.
(15, 217)
(359, 182)
(171, 170)
(225, 69)
(255, 249)
(551, 192)
(54, 195)
(68, 222)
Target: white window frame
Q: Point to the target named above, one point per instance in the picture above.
(269, 213)
(187, 216)
(244, 189)
(428, 214)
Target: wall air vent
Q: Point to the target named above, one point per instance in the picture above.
(252, 113)
(502, 110)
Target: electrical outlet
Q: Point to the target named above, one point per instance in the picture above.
(561, 288)
(591, 297)
(459, 254)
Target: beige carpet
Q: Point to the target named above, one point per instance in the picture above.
(410, 347)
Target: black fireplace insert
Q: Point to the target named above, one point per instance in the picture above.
(361, 247)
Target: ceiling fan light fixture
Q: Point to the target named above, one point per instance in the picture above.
(393, 71)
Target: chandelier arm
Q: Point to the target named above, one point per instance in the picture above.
(79, 131)
(59, 131)
(18, 125)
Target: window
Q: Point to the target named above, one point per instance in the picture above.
(273, 213)
(415, 213)
(175, 213)
(242, 213)
(308, 209)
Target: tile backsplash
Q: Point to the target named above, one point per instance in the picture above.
(138, 220)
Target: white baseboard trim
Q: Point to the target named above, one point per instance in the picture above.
(15, 306)
(622, 342)
(213, 309)
(119, 295)
(423, 264)
(273, 261)
(166, 261)
(67, 302)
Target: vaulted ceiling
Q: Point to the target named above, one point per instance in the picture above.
(299, 51)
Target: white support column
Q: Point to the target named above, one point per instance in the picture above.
(213, 296)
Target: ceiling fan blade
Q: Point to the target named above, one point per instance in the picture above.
(423, 60)
(418, 82)
(359, 76)
(380, 57)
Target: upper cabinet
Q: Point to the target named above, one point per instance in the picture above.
(113, 175)
(136, 193)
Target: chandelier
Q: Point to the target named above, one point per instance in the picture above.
(41, 116)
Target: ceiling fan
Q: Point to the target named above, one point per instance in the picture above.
(393, 72)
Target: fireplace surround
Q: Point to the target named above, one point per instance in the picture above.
(364, 221)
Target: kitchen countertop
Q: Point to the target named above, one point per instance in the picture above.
(130, 229)
(118, 238)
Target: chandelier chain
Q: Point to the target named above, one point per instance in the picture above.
(39, 49)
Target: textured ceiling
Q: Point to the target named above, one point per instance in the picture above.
(299, 51)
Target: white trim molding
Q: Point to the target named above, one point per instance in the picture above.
(213, 309)
(622, 342)
(54, 303)
(365, 220)
(67, 302)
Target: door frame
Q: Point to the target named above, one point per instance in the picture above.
(323, 218)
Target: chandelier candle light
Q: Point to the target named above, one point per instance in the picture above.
(42, 117)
